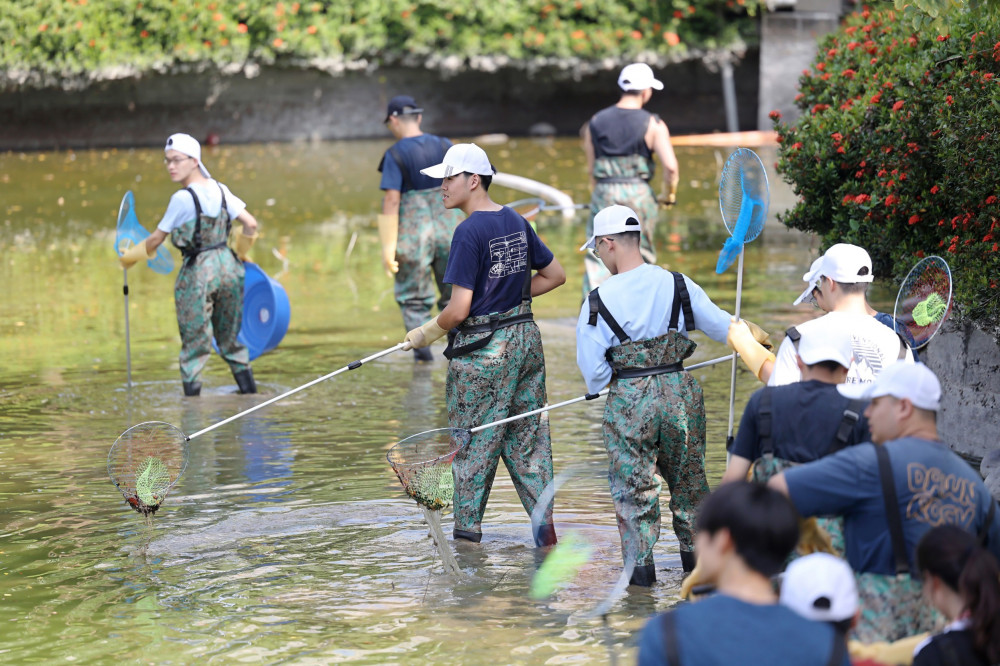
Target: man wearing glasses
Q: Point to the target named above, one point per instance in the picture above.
(632, 332)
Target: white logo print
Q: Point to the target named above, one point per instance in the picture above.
(509, 255)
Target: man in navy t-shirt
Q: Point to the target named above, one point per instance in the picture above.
(496, 366)
(415, 229)
(927, 485)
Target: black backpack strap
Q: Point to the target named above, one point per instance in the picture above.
(597, 307)
(764, 422)
(793, 334)
(845, 431)
(892, 514)
(839, 650)
(526, 287)
(670, 639)
(984, 531)
(191, 252)
(682, 299)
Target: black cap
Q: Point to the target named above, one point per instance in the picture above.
(402, 105)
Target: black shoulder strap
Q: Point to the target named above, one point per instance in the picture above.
(597, 307)
(394, 153)
(984, 531)
(526, 287)
(196, 239)
(839, 650)
(229, 221)
(892, 515)
(670, 639)
(793, 334)
(682, 299)
(764, 421)
(902, 346)
(845, 431)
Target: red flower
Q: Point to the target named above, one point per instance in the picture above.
(831, 53)
(898, 105)
(877, 97)
(862, 198)
(774, 115)
(919, 254)
(935, 189)
(820, 107)
(242, 27)
(671, 38)
(840, 149)
(948, 100)
(848, 73)
(821, 66)
(837, 137)
(796, 145)
(144, 34)
(913, 219)
(991, 199)
(892, 199)
(636, 34)
(853, 45)
(942, 38)
(678, 14)
(848, 198)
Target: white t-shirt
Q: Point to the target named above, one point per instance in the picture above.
(181, 210)
(875, 345)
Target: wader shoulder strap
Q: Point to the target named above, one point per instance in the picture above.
(670, 639)
(793, 334)
(191, 253)
(892, 515)
(597, 307)
(764, 422)
(682, 299)
(984, 531)
(839, 650)
(526, 287)
(845, 431)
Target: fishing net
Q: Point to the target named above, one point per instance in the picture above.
(744, 196)
(528, 208)
(130, 232)
(145, 462)
(924, 301)
(422, 463)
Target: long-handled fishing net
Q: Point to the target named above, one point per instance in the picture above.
(148, 453)
(924, 301)
(744, 197)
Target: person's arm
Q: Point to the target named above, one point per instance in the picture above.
(737, 469)
(457, 309)
(588, 150)
(390, 202)
(784, 369)
(832, 485)
(658, 140)
(548, 278)
(778, 483)
(710, 319)
(155, 240)
(590, 352)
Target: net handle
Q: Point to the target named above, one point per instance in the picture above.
(589, 396)
(351, 366)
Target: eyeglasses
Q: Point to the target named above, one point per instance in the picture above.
(597, 246)
(812, 294)
(175, 160)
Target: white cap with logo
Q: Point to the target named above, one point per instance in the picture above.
(901, 380)
(638, 76)
(830, 343)
(461, 158)
(820, 587)
(612, 220)
(187, 145)
(844, 263)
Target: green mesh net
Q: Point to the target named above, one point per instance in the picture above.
(145, 462)
(423, 465)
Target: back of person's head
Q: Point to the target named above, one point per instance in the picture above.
(821, 587)
(486, 181)
(630, 238)
(960, 562)
(762, 523)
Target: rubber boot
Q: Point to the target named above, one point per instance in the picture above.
(423, 355)
(244, 379)
(545, 536)
(688, 560)
(474, 537)
(192, 388)
(643, 576)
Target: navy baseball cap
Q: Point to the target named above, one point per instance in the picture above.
(402, 105)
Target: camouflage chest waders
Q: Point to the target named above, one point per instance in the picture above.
(622, 180)
(654, 418)
(208, 295)
(425, 231)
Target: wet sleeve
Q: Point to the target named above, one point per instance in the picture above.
(712, 320)
(463, 261)
(541, 255)
(234, 204)
(786, 370)
(831, 485)
(591, 344)
(179, 210)
(392, 177)
(746, 445)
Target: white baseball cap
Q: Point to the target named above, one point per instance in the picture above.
(462, 158)
(844, 263)
(828, 343)
(612, 220)
(912, 381)
(638, 76)
(188, 145)
(820, 587)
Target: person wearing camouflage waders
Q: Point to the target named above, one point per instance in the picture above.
(620, 142)
(632, 332)
(208, 293)
(496, 365)
(891, 492)
(415, 229)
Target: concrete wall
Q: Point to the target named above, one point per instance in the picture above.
(293, 104)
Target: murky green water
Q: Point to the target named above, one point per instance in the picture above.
(289, 539)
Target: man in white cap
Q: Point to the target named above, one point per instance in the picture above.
(620, 143)
(837, 282)
(415, 229)
(890, 494)
(496, 365)
(209, 291)
(632, 332)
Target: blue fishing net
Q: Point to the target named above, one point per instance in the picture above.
(130, 232)
(744, 196)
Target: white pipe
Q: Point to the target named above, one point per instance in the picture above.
(535, 188)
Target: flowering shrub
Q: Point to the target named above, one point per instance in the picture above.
(896, 148)
(51, 41)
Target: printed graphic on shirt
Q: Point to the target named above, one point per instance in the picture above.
(509, 255)
(939, 498)
(866, 363)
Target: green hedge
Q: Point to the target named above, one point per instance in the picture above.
(53, 41)
(896, 148)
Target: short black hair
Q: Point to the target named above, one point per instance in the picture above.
(485, 181)
(762, 522)
(628, 237)
(853, 287)
(831, 366)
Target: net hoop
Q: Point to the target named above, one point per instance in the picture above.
(531, 207)
(421, 462)
(924, 301)
(743, 173)
(143, 448)
(129, 232)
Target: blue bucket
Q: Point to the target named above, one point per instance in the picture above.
(265, 312)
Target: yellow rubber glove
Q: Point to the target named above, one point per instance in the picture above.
(670, 197)
(134, 254)
(760, 335)
(693, 579)
(243, 244)
(423, 336)
(741, 340)
(388, 233)
(813, 538)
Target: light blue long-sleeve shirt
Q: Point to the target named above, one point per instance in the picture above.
(640, 300)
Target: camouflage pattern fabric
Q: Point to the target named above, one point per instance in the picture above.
(504, 378)
(425, 231)
(637, 196)
(652, 422)
(208, 296)
(767, 466)
(892, 607)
